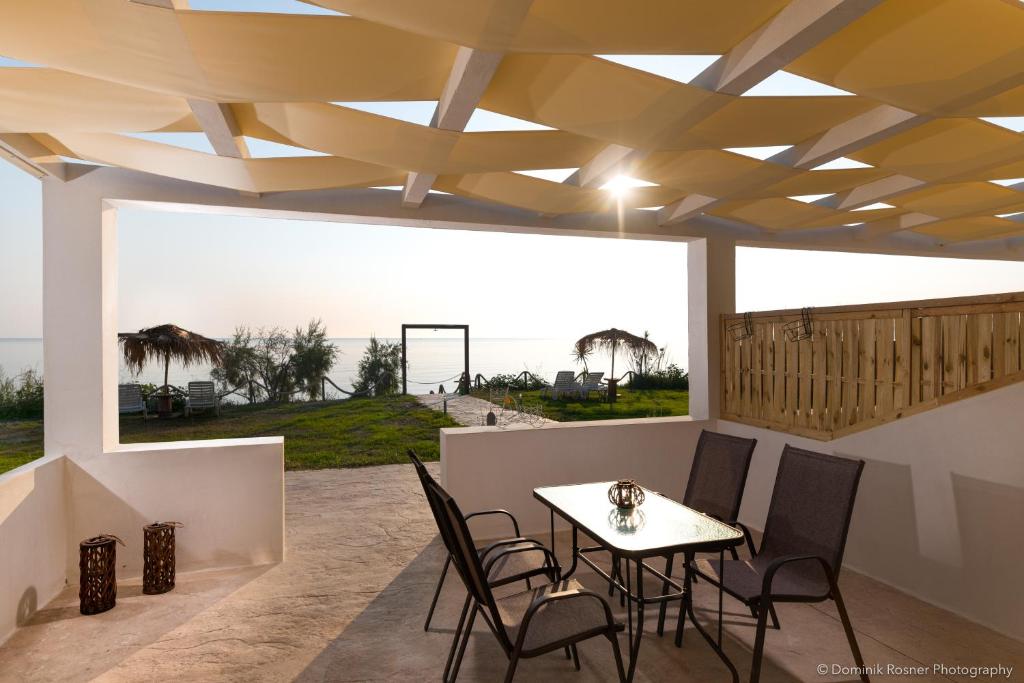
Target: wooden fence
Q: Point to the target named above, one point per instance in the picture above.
(861, 366)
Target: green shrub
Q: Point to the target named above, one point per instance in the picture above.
(22, 396)
(379, 368)
(527, 382)
(671, 377)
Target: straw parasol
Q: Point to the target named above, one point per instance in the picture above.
(610, 340)
(166, 342)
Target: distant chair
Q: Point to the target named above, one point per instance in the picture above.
(202, 396)
(565, 383)
(592, 383)
(130, 400)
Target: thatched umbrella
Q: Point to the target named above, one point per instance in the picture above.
(165, 342)
(610, 340)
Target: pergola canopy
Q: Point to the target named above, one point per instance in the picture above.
(919, 157)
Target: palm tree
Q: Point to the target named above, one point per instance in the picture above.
(610, 340)
(165, 342)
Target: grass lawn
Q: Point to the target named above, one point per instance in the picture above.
(642, 403)
(352, 433)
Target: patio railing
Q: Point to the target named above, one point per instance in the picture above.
(828, 372)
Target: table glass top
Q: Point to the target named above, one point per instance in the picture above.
(659, 523)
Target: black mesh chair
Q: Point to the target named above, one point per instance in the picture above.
(801, 551)
(715, 487)
(507, 567)
(555, 616)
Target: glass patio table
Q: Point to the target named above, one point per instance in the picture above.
(660, 527)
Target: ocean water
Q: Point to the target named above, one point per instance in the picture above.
(431, 360)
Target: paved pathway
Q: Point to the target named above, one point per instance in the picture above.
(471, 411)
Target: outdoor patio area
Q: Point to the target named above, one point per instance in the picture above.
(348, 605)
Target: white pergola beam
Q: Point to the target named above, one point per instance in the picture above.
(164, 4)
(798, 27)
(610, 161)
(29, 155)
(471, 73)
(686, 208)
(857, 133)
(221, 129)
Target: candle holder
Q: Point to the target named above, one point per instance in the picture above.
(97, 583)
(626, 494)
(158, 557)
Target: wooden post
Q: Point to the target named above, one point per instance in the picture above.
(405, 389)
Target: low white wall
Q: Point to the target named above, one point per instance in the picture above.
(488, 467)
(228, 493)
(33, 519)
(940, 504)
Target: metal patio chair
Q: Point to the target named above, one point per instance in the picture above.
(592, 383)
(715, 487)
(505, 570)
(528, 624)
(801, 551)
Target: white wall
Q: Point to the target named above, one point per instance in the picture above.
(487, 467)
(228, 493)
(33, 532)
(940, 505)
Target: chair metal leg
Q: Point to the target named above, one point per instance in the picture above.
(762, 619)
(664, 591)
(510, 672)
(618, 657)
(437, 592)
(575, 656)
(850, 635)
(774, 616)
(462, 646)
(456, 637)
(568, 653)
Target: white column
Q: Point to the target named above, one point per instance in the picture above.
(79, 319)
(711, 291)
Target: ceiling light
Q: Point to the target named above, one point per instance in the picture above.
(872, 207)
(621, 184)
(758, 152)
(809, 198)
(840, 164)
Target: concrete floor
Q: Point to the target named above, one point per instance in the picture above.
(349, 602)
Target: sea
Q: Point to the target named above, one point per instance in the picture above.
(432, 361)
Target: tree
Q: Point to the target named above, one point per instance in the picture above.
(313, 357)
(379, 368)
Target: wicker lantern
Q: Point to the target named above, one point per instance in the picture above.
(158, 557)
(626, 494)
(97, 563)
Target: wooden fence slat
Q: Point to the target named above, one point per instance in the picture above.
(1011, 347)
(779, 374)
(884, 340)
(983, 349)
(792, 379)
(850, 371)
(868, 363)
(818, 378)
(998, 343)
(916, 350)
(971, 344)
(834, 369)
(756, 353)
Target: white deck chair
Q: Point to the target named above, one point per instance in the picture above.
(564, 384)
(130, 400)
(591, 383)
(202, 396)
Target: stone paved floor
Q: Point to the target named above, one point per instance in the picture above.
(348, 605)
(470, 411)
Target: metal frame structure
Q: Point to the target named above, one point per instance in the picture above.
(465, 348)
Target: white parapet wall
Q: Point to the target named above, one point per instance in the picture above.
(939, 510)
(229, 494)
(33, 539)
(489, 467)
